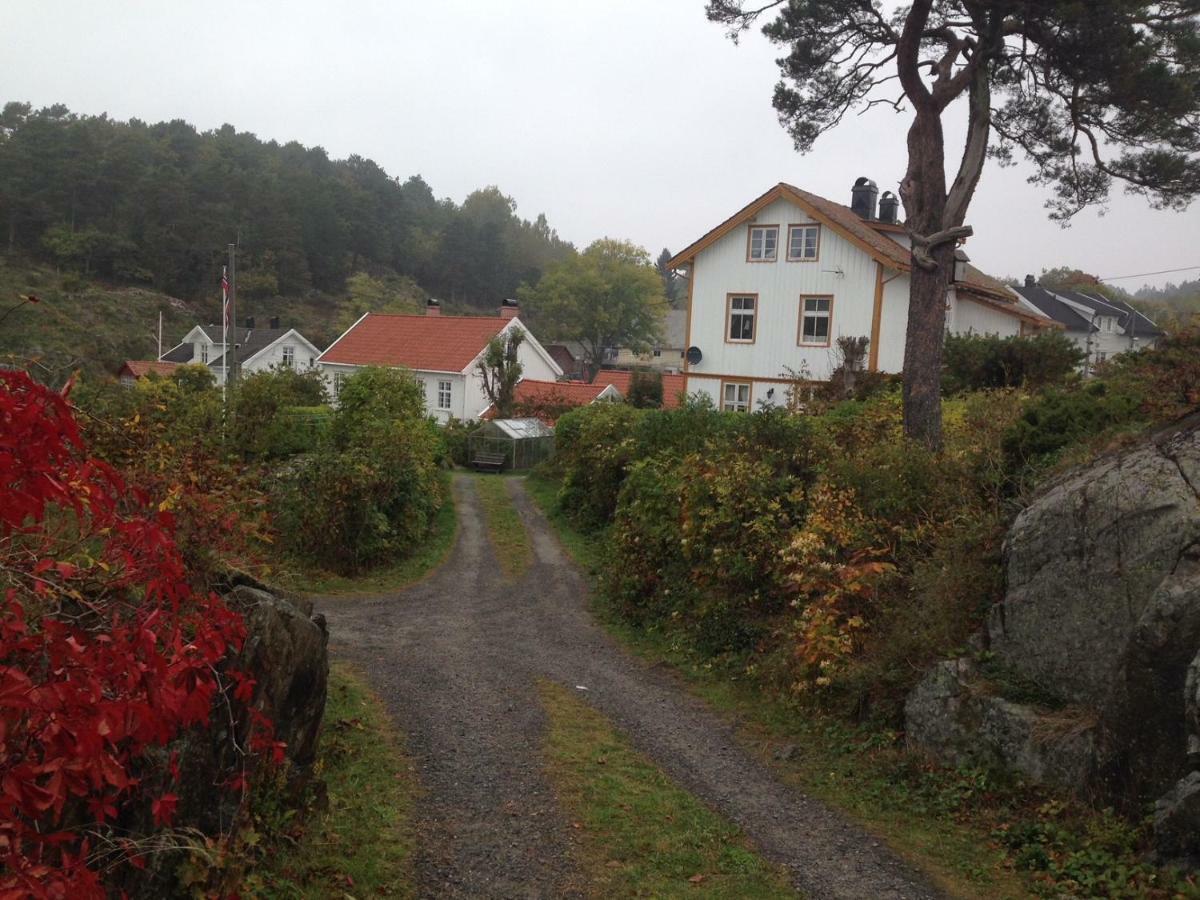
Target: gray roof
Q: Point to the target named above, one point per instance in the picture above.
(181, 354)
(248, 341)
(1053, 307)
(1129, 319)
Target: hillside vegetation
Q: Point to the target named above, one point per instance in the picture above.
(130, 204)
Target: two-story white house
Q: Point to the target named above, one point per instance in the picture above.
(442, 352)
(773, 286)
(1101, 327)
(256, 349)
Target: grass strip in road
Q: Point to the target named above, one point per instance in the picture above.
(427, 556)
(363, 845)
(638, 834)
(584, 549)
(506, 531)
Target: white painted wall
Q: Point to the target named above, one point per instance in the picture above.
(967, 316)
(841, 270)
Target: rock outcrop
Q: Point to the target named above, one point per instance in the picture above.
(285, 652)
(1102, 610)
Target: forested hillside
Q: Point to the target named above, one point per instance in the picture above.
(156, 205)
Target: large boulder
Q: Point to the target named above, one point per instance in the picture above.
(957, 714)
(1102, 610)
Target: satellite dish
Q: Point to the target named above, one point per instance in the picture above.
(694, 355)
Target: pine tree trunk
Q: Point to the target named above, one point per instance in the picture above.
(924, 193)
(923, 349)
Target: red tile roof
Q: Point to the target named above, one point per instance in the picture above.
(673, 385)
(433, 343)
(140, 368)
(548, 399)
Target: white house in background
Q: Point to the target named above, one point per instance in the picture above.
(772, 288)
(1100, 327)
(441, 351)
(257, 349)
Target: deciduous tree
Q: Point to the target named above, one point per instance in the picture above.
(610, 295)
(500, 370)
(1091, 93)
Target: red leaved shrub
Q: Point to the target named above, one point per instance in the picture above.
(106, 652)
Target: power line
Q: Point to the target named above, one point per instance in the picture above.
(1147, 274)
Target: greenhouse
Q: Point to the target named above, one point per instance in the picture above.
(510, 444)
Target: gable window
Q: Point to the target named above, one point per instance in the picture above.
(735, 396)
(289, 356)
(803, 243)
(204, 353)
(338, 378)
(815, 316)
(763, 243)
(741, 313)
(445, 390)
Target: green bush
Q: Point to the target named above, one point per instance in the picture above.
(1060, 418)
(454, 434)
(346, 509)
(594, 446)
(278, 413)
(976, 362)
(370, 399)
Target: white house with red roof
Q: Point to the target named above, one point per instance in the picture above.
(774, 286)
(441, 352)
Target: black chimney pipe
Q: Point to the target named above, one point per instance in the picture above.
(863, 197)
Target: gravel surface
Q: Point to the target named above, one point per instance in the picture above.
(456, 659)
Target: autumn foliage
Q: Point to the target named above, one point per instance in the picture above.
(106, 654)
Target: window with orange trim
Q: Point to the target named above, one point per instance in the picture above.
(816, 317)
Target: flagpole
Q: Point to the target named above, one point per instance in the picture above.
(224, 336)
(233, 301)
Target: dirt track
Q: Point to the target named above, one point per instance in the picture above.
(456, 659)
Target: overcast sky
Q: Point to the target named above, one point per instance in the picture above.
(623, 118)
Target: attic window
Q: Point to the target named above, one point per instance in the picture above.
(803, 243)
(763, 243)
(289, 356)
(204, 353)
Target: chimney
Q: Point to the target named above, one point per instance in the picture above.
(889, 208)
(863, 197)
(1030, 281)
(249, 321)
(510, 309)
(274, 321)
(433, 307)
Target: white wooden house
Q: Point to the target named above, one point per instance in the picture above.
(440, 351)
(256, 349)
(1100, 326)
(773, 286)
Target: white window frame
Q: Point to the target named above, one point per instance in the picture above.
(338, 379)
(816, 314)
(740, 401)
(760, 253)
(742, 312)
(804, 255)
(288, 353)
(445, 394)
(204, 353)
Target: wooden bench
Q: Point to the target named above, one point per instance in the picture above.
(491, 461)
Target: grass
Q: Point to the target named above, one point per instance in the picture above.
(949, 823)
(400, 574)
(506, 531)
(637, 833)
(363, 845)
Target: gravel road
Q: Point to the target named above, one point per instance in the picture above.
(456, 658)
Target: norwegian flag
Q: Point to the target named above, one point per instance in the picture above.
(225, 295)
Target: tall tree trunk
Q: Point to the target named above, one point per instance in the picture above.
(924, 193)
